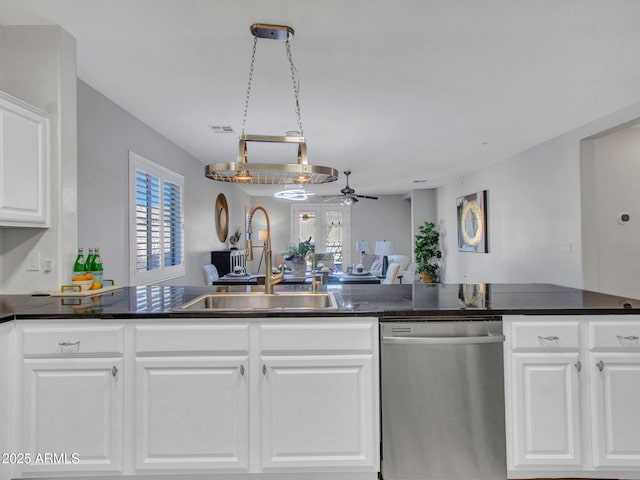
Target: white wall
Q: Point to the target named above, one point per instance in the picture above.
(106, 133)
(423, 209)
(534, 213)
(38, 67)
(611, 169)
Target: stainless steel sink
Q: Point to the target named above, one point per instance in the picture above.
(262, 301)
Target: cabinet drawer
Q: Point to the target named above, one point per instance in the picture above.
(545, 336)
(618, 335)
(324, 337)
(233, 339)
(83, 340)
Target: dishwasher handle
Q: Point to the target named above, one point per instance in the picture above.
(443, 340)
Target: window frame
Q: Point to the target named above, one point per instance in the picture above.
(146, 277)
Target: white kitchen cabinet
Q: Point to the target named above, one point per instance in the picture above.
(615, 399)
(73, 407)
(192, 413)
(317, 412)
(227, 399)
(572, 385)
(319, 396)
(545, 410)
(24, 164)
(192, 397)
(72, 400)
(614, 363)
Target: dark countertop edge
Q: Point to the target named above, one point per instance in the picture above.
(400, 315)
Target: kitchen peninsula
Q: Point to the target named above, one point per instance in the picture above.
(227, 394)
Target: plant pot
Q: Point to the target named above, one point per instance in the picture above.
(426, 278)
(298, 266)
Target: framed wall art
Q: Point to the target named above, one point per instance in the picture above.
(472, 222)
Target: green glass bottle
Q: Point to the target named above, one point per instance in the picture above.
(89, 261)
(96, 267)
(80, 266)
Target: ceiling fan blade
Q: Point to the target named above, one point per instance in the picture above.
(331, 199)
(367, 196)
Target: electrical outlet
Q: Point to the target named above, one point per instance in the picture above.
(33, 261)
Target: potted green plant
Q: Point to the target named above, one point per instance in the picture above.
(296, 256)
(234, 239)
(427, 252)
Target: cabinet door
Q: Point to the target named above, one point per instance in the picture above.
(318, 412)
(192, 413)
(615, 399)
(24, 163)
(545, 410)
(73, 409)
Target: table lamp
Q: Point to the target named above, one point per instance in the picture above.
(362, 246)
(384, 248)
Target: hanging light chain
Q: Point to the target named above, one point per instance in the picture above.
(249, 82)
(296, 85)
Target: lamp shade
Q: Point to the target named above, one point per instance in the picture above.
(384, 248)
(362, 246)
(262, 235)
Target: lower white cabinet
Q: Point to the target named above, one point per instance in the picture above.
(572, 385)
(73, 409)
(545, 410)
(317, 412)
(192, 413)
(198, 397)
(615, 409)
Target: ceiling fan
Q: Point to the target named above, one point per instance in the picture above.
(349, 196)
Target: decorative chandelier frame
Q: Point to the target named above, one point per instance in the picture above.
(242, 171)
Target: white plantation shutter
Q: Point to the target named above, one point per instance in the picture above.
(157, 225)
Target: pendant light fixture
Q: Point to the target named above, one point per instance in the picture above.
(242, 171)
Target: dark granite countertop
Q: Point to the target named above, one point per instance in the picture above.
(384, 301)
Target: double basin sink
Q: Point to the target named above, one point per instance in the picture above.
(282, 301)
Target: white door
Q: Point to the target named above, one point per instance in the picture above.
(545, 406)
(615, 403)
(317, 412)
(192, 413)
(73, 409)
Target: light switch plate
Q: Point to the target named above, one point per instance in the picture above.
(33, 261)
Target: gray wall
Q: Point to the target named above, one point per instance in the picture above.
(106, 133)
(610, 172)
(534, 210)
(39, 67)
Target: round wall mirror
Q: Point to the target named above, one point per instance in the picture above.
(222, 217)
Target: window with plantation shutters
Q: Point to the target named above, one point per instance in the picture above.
(156, 228)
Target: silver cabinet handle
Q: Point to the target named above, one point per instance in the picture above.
(114, 371)
(264, 369)
(69, 344)
(550, 338)
(578, 365)
(628, 338)
(600, 365)
(242, 370)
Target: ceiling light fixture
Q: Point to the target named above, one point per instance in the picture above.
(267, 173)
(294, 193)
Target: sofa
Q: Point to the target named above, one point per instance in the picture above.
(407, 272)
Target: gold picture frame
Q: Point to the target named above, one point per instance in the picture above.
(222, 217)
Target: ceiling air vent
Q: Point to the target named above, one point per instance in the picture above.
(222, 128)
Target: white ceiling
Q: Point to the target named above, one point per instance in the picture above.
(396, 91)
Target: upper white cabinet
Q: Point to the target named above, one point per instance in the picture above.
(573, 385)
(24, 164)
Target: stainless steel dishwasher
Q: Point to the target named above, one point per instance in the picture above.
(442, 400)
